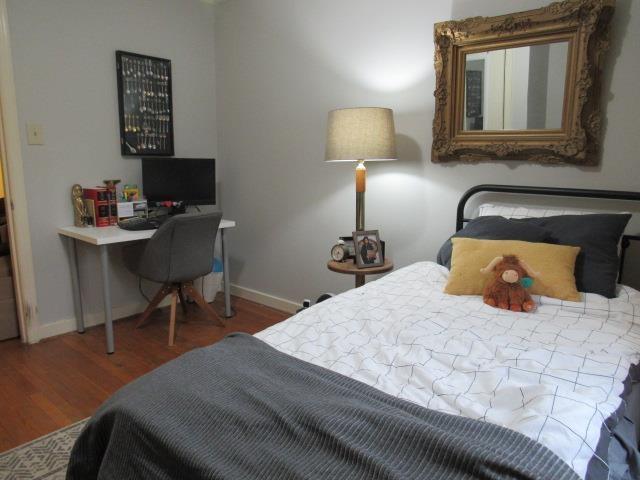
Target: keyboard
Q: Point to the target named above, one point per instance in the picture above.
(139, 223)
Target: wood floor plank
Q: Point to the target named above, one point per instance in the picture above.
(54, 412)
(61, 380)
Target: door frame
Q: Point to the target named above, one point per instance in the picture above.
(15, 192)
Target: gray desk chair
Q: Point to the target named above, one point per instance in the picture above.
(180, 251)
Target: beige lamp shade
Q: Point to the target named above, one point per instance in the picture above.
(361, 134)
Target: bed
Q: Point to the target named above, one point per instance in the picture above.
(395, 379)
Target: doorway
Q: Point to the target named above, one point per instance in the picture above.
(21, 284)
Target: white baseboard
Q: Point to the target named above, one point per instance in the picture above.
(97, 318)
(265, 299)
(90, 320)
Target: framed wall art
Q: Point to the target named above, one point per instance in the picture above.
(522, 86)
(145, 105)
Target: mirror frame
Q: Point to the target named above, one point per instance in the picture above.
(584, 24)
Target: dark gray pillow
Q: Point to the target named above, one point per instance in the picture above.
(598, 236)
(494, 228)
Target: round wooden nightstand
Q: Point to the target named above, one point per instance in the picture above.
(349, 267)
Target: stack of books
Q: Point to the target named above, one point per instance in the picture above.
(101, 206)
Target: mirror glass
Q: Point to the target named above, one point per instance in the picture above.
(515, 88)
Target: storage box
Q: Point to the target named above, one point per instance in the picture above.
(8, 319)
(5, 266)
(6, 288)
(4, 233)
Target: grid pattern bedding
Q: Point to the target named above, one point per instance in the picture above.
(554, 375)
(240, 409)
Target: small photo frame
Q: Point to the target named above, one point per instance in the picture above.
(351, 249)
(368, 249)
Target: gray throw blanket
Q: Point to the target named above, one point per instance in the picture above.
(242, 410)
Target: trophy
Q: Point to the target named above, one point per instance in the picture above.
(79, 209)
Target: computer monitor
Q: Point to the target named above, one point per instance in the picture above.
(191, 181)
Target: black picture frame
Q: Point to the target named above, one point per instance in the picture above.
(145, 105)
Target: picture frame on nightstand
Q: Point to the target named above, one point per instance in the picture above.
(348, 242)
(368, 249)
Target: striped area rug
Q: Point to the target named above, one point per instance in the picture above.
(45, 458)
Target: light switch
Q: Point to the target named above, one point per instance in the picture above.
(34, 134)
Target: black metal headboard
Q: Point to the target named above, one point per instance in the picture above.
(555, 192)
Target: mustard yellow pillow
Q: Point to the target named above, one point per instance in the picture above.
(555, 265)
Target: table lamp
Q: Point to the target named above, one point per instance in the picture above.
(359, 135)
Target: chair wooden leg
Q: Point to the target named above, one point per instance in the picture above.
(172, 321)
(153, 304)
(183, 303)
(202, 303)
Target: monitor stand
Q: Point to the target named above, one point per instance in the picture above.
(177, 208)
(168, 208)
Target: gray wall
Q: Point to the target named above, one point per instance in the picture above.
(280, 67)
(64, 60)
(283, 64)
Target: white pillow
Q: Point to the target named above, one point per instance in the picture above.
(519, 211)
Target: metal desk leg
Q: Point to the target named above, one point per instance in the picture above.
(106, 293)
(225, 273)
(75, 284)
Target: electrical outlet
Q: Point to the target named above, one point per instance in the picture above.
(34, 134)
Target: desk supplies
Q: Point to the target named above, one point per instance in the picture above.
(139, 223)
(130, 193)
(132, 209)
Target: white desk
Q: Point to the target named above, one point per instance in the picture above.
(102, 237)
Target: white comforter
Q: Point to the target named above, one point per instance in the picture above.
(553, 375)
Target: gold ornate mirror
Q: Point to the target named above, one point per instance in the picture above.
(523, 86)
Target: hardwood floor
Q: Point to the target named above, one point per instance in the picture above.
(61, 380)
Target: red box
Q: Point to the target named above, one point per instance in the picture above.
(101, 199)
